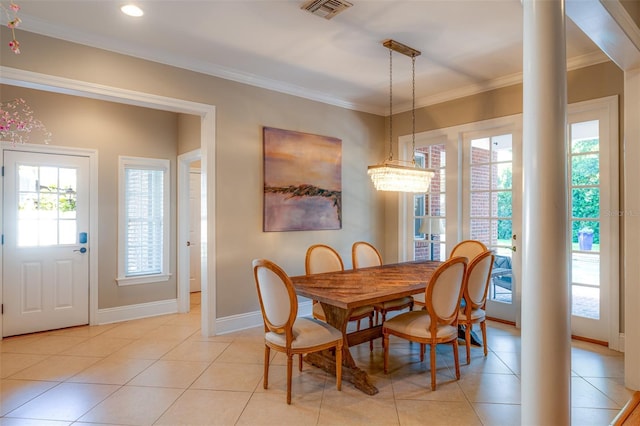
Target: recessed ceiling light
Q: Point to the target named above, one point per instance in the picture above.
(132, 10)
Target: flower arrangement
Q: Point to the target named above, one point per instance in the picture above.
(17, 122)
(14, 21)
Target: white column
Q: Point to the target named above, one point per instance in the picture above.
(631, 229)
(546, 330)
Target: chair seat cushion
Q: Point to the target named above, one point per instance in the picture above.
(416, 323)
(395, 303)
(476, 315)
(318, 312)
(307, 333)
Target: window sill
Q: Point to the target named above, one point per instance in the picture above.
(144, 279)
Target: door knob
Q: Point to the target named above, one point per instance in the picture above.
(82, 250)
(188, 243)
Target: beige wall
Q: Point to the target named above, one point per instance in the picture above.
(188, 133)
(111, 129)
(241, 112)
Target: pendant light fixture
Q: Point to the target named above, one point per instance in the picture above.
(396, 175)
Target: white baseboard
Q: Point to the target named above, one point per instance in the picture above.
(252, 319)
(223, 325)
(131, 312)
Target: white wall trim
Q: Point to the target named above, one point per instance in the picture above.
(138, 311)
(50, 83)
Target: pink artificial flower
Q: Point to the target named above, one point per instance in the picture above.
(15, 46)
(15, 23)
(14, 7)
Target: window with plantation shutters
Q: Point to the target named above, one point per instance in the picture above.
(143, 220)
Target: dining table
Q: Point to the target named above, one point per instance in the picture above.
(341, 292)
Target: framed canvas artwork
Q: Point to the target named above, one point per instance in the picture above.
(302, 181)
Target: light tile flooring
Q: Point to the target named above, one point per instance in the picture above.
(161, 371)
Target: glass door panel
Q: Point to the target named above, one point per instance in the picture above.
(491, 172)
(430, 208)
(585, 219)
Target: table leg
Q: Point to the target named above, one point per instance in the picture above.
(339, 318)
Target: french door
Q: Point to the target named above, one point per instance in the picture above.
(491, 210)
(594, 220)
(476, 194)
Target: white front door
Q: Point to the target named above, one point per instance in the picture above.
(194, 231)
(46, 242)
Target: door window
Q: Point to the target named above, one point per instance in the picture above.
(46, 205)
(430, 208)
(585, 219)
(490, 201)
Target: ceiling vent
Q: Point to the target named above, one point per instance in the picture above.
(326, 9)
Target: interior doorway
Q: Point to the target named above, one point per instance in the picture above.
(190, 214)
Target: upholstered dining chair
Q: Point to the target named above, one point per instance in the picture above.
(322, 258)
(474, 293)
(466, 248)
(363, 255)
(283, 330)
(439, 322)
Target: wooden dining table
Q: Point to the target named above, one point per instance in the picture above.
(342, 291)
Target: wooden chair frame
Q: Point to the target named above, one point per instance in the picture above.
(287, 329)
(436, 320)
(381, 308)
(309, 271)
(472, 304)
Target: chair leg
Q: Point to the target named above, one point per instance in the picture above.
(467, 339)
(456, 359)
(358, 326)
(422, 352)
(299, 362)
(289, 373)
(267, 352)
(339, 367)
(385, 346)
(483, 327)
(433, 366)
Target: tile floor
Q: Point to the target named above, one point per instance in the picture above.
(161, 371)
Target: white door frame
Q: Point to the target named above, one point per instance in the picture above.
(92, 154)
(49, 83)
(184, 160)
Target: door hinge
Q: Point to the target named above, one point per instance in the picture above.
(2, 240)
(2, 310)
(2, 171)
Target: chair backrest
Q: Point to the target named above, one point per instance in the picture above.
(364, 255)
(277, 297)
(468, 248)
(444, 291)
(477, 280)
(322, 258)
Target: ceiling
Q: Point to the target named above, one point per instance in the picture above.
(467, 46)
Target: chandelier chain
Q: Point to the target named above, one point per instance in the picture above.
(413, 108)
(390, 104)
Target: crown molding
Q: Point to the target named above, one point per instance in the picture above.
(56, 31)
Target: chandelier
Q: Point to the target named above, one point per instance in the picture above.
(397, 175)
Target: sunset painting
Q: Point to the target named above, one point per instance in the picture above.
(302, 181)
